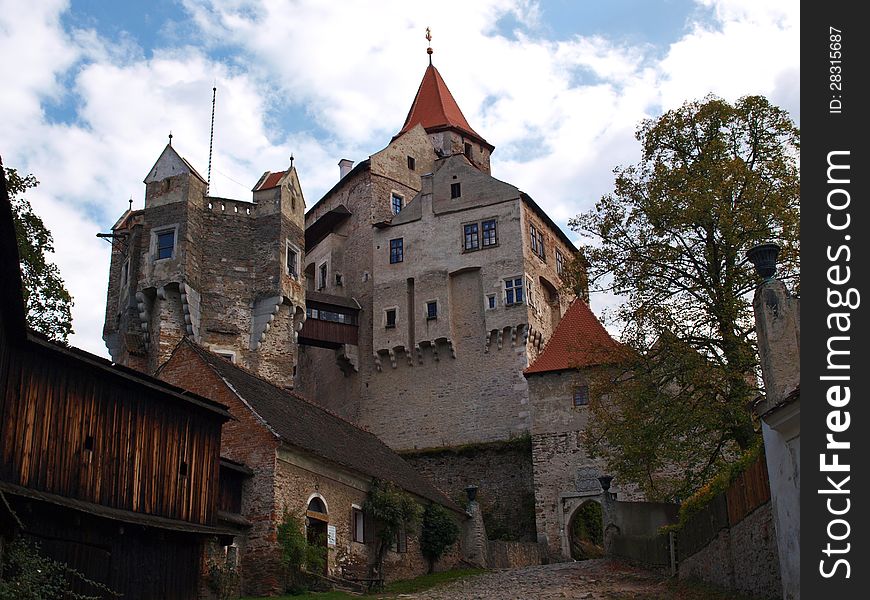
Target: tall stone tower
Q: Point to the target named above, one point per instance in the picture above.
(457, 276)
(224, 272)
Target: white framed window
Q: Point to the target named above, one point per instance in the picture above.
(292, 260)
(471, 232)
(530, 292)
(513, 291)
(358, 523)
(490, 233)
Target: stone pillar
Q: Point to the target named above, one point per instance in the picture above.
(608, 512)
(475, 545)
(777, 320)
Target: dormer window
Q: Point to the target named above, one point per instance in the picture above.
(455, 190)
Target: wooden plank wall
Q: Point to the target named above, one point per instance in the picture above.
(52, 410)
(750, 490)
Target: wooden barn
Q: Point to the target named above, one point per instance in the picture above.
(111, 471)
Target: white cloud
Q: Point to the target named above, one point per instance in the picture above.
(562, 113)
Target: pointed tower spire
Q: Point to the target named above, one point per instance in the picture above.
(436, 110)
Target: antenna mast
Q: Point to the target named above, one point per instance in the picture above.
(211, 138)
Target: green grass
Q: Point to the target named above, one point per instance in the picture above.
(408, 586)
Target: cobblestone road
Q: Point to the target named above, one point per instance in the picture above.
(599, 579)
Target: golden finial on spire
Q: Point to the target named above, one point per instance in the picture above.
(429, 39)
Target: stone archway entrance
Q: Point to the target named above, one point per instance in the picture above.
(316, 528)
(585, 531)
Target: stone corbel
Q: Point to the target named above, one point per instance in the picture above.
(378, 362)
(392, 357)
(419, 352)
(144, 317)
(190, 304)
(263, 312)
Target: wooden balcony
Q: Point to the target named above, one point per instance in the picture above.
(327, 334)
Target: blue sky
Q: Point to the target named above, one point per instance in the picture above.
(557, 86)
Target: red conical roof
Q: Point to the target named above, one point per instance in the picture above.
(435, 108)
(579, 340)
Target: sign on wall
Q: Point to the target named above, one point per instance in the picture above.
(330, 535)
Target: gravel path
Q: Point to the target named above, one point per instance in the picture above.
(599, 579)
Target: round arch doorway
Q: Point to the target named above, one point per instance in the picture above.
(316, 527)
(586, 531)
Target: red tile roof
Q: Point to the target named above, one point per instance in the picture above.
(435, 108)
(580, 340)
(271, 180)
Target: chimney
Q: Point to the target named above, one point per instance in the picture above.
(344, 167)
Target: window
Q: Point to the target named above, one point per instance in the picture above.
(536, 239)
(226, 355)
(400, 542)
(513, 291)
(338, 279)
(292, 262)
(455, 190)
(397, 202)
(397, 251)
(412, 163)
(390, 315)
(165, 244)
(490, 301)
(467, 149)
(581, 395)
(530, 292)
(432, 309)
(472, 238)
(490, 233)
(560, 262)
(359, 525)
(321, 280)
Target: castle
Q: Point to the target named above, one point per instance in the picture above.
(409, 299)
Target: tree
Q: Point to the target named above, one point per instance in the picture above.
(298, 554)
(47, 302)
(715, 179)
(438, 532)
(393, 511)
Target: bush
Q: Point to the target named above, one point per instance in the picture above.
(298, 554)
(392, 510)
(439, 532)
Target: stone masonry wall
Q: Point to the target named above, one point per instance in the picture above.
(561, 465)
(503, 474)
(743, 558)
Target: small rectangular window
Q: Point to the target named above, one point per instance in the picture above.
(321, 283)
(490, 233)
(165, 244)
(359, 526)
(513, 291)
(541, 252)
(581, 395)
(490, 301)
(292, 262)
(412, 163)
(560, 262)
(390, 317)
(432, 310)
(455, 190)
(472, 237)
(533, 238)
(467, 149)
(397, 202)
(397, 251)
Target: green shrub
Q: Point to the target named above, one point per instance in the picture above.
(298, 554)
(439, 531)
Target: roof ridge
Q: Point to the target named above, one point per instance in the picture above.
(293, 393)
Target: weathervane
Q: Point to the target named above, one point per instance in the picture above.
(429, 39)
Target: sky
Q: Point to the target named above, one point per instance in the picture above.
(92, 88)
